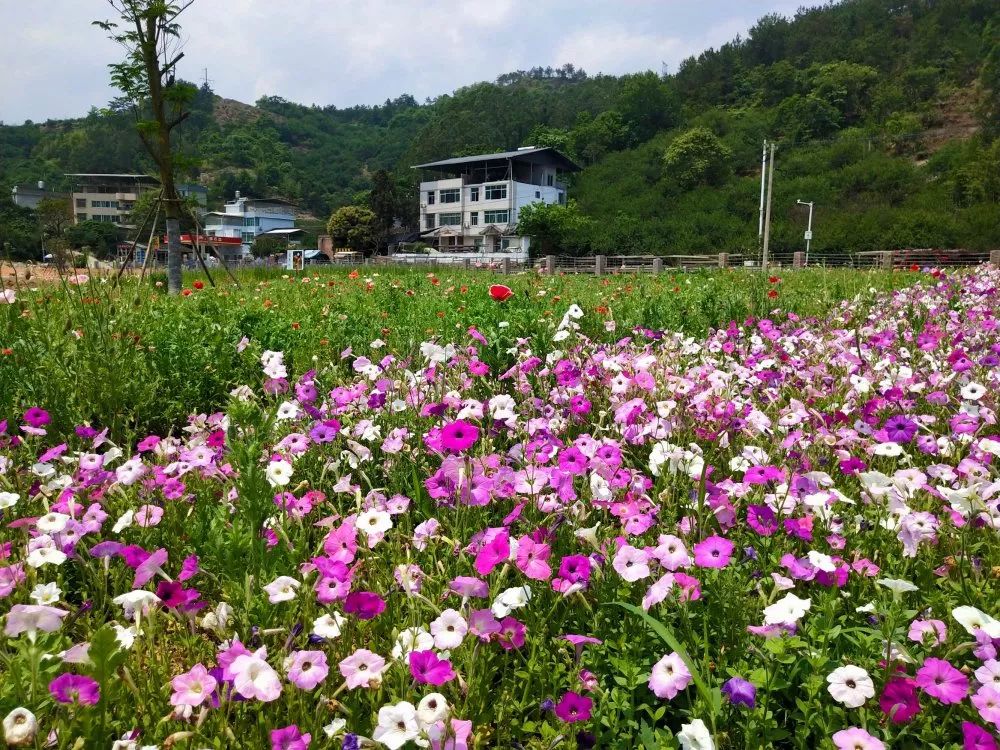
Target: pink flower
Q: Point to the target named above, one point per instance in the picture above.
(149, 568)
(30, 618)
(899, 700)
(631, 563)
(941, 680)
(289, 738)
(976, 738)
(469, 587)
(75, 689)
(428, 669)
(928, 632)
(713, 552)
(253, 677)
(855, 738)
(306, 669)
(511, 634)
(148, 515)
(531, 559)
(573, 707)
(361, 668)
(987, 702)
(483, 624)
(495, 551)
(669, 676)
(193, 687)
(364, 604)
(459, 436)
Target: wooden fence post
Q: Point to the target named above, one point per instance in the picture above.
(600, 264)
(798, 259)
(657, 265)
(505, 266)
(550, 265)
(723, 260)
(886, 260)
(995, 257)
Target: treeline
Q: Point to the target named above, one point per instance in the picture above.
(886, 113)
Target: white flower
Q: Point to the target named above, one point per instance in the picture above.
(695, 736)
(19, 727)
(432, 708)
(786, 611)
(328, 626)
(449, 630)
(288, 410)
(412, 639)
(397, 725)
(897, 586)
(123, 522)
(46, 593)
(561, 335)
(511, 599)
(850, 685)
(822, 562)
(973, 619)
(134, 602)
(124, 636)
(889, 449)
(279, 473)
(282, 589)
(8, 500)
(52, 522)
(374, 522)
(973, 391)
(218, 619)
(46, 556)
(335, 727)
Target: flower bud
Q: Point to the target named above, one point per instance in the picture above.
(19, 727)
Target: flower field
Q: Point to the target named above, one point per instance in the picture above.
(401, 510)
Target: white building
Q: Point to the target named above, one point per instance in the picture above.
(248, 218)
(474, 207)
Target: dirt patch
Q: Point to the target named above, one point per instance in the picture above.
(955, 119)
(232, 112)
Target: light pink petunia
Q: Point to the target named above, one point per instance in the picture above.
(669, 676)
(193, 687)
(362, 668)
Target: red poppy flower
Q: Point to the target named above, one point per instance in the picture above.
(772, 293)
(499, 292)
(199, 284)
(186, 292)
(773, 279)
(914, 267)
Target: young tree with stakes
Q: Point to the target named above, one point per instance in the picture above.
(150, 35)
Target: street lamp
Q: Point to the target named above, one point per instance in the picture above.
(809, 227)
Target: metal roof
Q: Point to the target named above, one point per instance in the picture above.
(502, 156)
(120, 176)
(281, 231)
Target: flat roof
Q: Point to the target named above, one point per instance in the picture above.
(110, 174)
(282, 231)
(521, 153)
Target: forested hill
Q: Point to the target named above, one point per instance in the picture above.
(887, 114)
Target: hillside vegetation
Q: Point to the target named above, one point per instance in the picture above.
(886, 114)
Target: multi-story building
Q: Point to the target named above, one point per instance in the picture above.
(29, 196)
(108, 197)
(247, 218)
(475, 205)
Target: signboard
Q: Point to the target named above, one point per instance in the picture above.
(205, 239)
(295, 260)
(809, 234)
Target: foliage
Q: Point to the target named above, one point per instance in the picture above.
(99, 237)
(19, 231)
(264, 246)
(697, 157)
(355, 227)
(556, 228)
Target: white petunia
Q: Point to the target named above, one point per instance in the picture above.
(45, 556)
(432, 708)
(511, 599)
(8, 500)
(397, 725)
(279, 473)
(695, 736)
(282, 589)
(412, 639)
(973, 619)
(46, 593)
(328, 626)
(786, 611)
(850, 685)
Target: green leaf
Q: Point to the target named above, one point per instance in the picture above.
(712, 697)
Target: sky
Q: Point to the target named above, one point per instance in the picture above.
(346, 52)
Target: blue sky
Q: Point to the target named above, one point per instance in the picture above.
(346, 52)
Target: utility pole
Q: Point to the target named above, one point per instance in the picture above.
(809, 227)
(767, 213)
(763, 177)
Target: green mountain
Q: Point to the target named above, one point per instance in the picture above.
(887, 115)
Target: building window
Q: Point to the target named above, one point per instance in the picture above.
(496, 217)
(430, 197)
(449, 220)
(550, 180)
(479, 242)
(474, 194)
(538, 194)
(81, 217)
(452, 195)
(247, 236)
(429, 221)
(496, 192)
(251, 221)
(81, 202)
(474, 218)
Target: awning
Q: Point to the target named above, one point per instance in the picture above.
(281, 231)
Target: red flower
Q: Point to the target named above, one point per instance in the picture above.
(199, 284)
(772, 293)
(914, 267)
(186, 292)
(499, 292)
(353, 275)
(773, 279)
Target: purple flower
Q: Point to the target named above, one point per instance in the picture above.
(713, 552)
(427, 668)
(574, 707)
(459, 436)
(899, 700)
(75, 688)
(364, 604)
(941, 680)
(740, 692)
(976, 738)
(900, 429)
(289, 738)
(36, 417)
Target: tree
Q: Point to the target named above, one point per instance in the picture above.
(264, 246)
(697, 157)
(801, 118)
(844, 85)
(593, 137)
(54, 215)
(18, 231)
(354, 227)
(149, 33)
(98, 236)
(647, 104)
(556, 228)
(383, 203)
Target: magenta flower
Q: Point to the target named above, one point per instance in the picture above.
(573, 707)
(575, 568)
(427, 668)
(75, 689)
(713, 552)
(459, 436)
(364, 604)
(36, 417)
(149, 567)
(511, 634)
(532, 559)
(289, 738)
(941, 680)
(900, 429)
(494, 552)
(899, 700)
(762, 519)
(976, 738)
